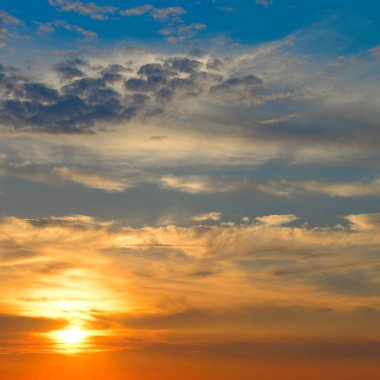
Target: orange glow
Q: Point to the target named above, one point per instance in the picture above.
(71, 336)
(73, 339)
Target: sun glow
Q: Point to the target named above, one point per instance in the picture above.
(71, 336)
(71, 340)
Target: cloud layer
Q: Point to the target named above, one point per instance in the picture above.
(164, 282)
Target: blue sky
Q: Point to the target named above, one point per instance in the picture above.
(245, 21)
(308, 71)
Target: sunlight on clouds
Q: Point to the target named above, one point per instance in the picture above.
(112, 280)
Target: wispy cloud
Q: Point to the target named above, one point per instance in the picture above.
(48, 27)
(265, 3)
(159, 14)
(90, 9)
(8, 25)
(214, 216)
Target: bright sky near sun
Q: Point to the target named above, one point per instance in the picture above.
(195, 180)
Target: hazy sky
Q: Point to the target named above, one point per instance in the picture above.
(196, 180)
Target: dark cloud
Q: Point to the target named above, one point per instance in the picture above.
(183, 65)
(353, 284)
(70, 69)
(88, 95)
(16, 323)
(244, 88)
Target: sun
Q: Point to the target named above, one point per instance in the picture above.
(71, 336)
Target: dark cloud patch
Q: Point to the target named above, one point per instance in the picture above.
(74, 107)
(277, 318)
(239, 88)
(70, 69)
(183, 65)
(16, 323)
(355, 283)
(86, 95)
(113, 73)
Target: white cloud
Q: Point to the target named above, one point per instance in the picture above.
(213, 216)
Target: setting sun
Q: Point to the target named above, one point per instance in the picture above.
(71, 336)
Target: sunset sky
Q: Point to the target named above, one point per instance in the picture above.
(189, 189)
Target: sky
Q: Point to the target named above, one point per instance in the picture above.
(189, 189)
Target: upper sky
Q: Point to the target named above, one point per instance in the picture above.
(191, 173)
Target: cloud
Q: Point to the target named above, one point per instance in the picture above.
(96, 12)
(7, 19)
(364, 222)
(49, 27)
(91, 180)
(276, 220)
(176, 30)
(375, 51)
(70, 69)
(165, 88)
(51, 176)
(161, 283)
(8, 27)
(286, 188)
(158, 14)
(17, 323)
(199, 184)
(257, 107)
(265, 3)
(214, 216)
